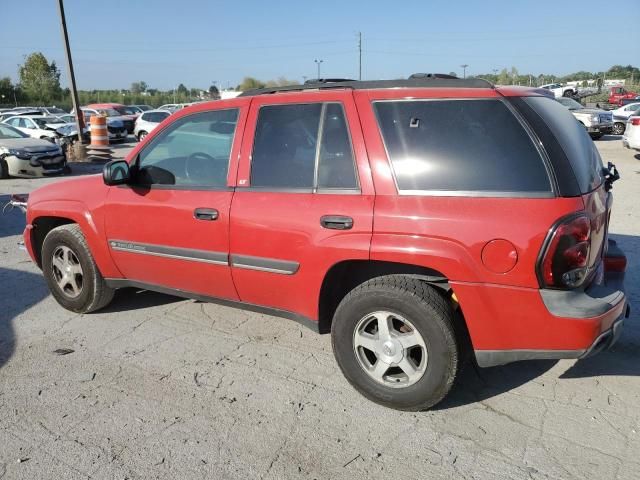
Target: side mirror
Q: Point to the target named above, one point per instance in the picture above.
(116, 172)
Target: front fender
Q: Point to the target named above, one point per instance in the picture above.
(90, 223)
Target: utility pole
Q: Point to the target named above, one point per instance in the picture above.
(359, 55)
(72, 77)
(464, 70)
(318, 62)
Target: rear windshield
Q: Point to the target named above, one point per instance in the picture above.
(578, 147)
(474, 145)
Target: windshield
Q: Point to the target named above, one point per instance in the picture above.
(109, 112)
(570, 103)
(42, 121)
(144, 108)
(56, 110)
(7, 131)
(125, 110)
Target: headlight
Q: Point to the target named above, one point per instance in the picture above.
(15, 152)
(594, 118)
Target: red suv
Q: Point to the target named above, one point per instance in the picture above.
(416, 220)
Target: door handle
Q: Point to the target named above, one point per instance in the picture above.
(205, 214)
(336, 222)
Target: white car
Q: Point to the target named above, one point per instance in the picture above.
(620, 116)
(560, 90)
(174, 107)
(631, 138)
(37, 126)
(23, 156)
(147, 121)
(597, 122)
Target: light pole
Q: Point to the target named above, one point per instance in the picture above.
(318, 62)
(464, 70)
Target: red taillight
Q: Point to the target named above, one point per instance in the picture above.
(635, 121)
(565, 260)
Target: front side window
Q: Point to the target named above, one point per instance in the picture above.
(460, 146)
(303, 146)
(193, 151)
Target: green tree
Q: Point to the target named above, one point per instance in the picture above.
(214, 93)
(503, 78)
(249, 83)
(6, 91)
(182, 90)
(138, 87)
(39, 79)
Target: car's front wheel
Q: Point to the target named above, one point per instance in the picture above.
(141, 135)
(394, 340)
(4, 169)
(70, 271)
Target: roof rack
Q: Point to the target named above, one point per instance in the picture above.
(418, 80)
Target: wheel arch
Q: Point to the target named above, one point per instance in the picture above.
(344, 276)
(41, 227)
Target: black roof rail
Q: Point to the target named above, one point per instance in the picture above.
(328, 80)
(433, 75)
(417, 81)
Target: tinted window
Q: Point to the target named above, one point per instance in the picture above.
(155, 117)
(460, 145)
(575, 142)
(336, 168)
(192, 151)
(285, 150)
(284, 147)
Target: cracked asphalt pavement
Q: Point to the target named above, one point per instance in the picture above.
(159, 387)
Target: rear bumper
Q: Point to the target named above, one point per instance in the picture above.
(509, 324)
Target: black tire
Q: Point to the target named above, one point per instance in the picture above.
(568, 93)
(596, 136)
(618, 128)
(94, 293)
(430, 314)
(4, 169)
(141, 135)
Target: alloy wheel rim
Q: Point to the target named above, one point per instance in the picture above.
(390, 349)
(67, 271)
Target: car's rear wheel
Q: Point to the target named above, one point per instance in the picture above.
(4, 169)
(141, 135)
(394, 340)
(70, 271)
(568, 93)
(618, 128)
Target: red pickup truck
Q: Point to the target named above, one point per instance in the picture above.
(617, 94)
(420, 221)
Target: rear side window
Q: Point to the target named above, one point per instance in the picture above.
(302, 146)
(460, 146)
(155, 117)
(575, 142)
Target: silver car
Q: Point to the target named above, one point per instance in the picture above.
(23, 156)
(147, 121)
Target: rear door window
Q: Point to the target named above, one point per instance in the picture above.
(579, 149)
(303, 147)
(454, 146)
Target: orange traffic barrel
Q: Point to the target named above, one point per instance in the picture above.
(99, 134)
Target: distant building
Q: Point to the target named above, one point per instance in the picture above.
(226, 94)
